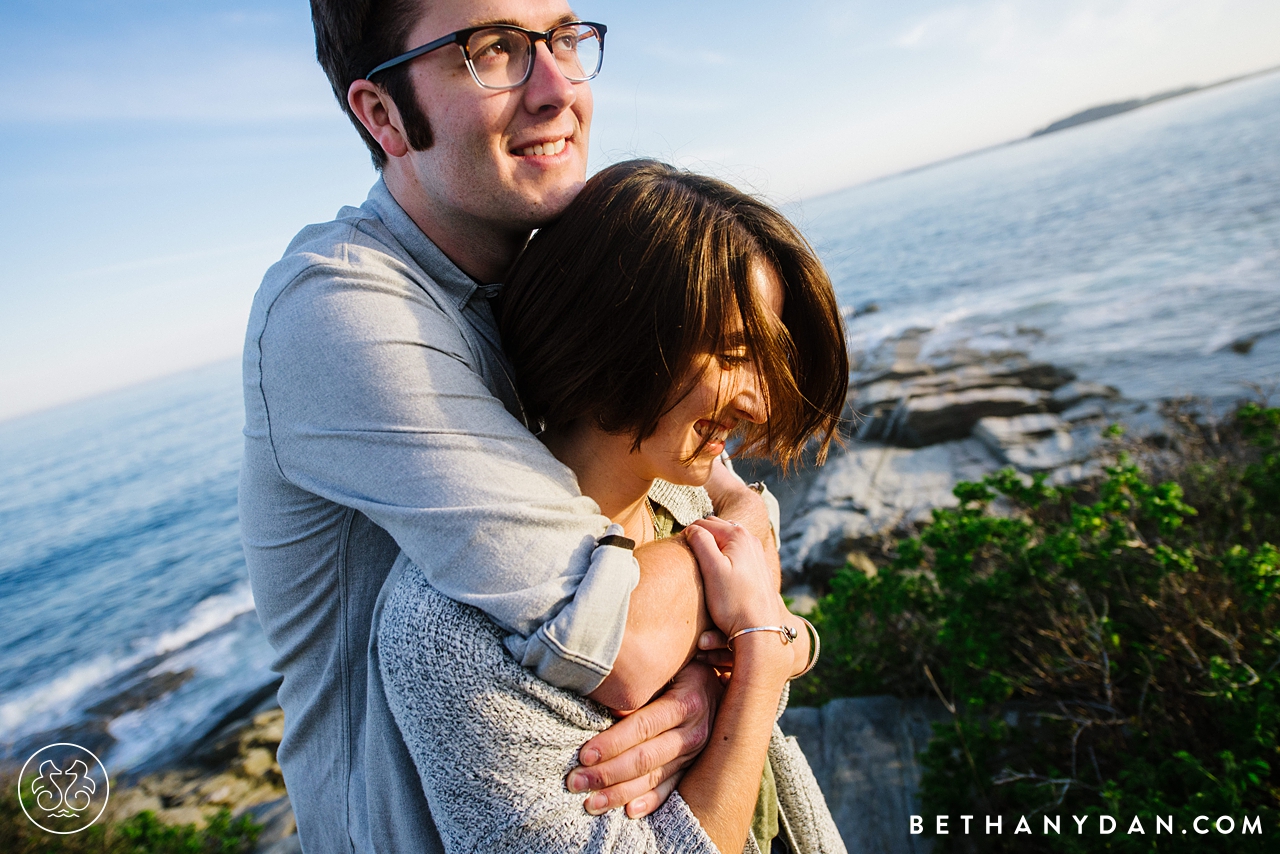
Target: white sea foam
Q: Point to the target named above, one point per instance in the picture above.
(210, 614)
(54, 702)
(46, 704)
(229, 666)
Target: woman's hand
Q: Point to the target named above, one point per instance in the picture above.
(736, 594)
(740, 589)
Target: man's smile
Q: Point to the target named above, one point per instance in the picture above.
(549, 147)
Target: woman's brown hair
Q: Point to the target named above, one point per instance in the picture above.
(610, 308)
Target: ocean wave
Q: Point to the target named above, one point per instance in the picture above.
(58, 700)
(208, 615)
(54, 699)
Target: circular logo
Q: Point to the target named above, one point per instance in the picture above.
(63, 788)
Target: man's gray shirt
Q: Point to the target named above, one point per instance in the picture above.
(382, 428)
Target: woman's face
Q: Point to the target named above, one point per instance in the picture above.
(724, 391)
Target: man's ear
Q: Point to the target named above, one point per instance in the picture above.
(377, 112)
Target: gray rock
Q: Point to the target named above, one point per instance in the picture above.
(1077, 472)
(895, 356)
(1089, 410)
(1052, 452)
(864, 753)
(819, 542)
(1034, 443)
(1073, 393)
(1037, 375)
(801, 598)
(1074, 453)
(1001, 434)
(869, 491)
(952, 415)
(278, 823)
(871, 397)
(900, 399)
(1006, 370)
(288, 845)
(1139, 420)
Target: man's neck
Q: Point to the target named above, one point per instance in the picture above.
(602, 462)
(482, 250)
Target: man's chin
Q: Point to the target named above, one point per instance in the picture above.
(548, 185)
(553, 202)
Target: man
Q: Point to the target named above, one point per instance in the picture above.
(382, 428)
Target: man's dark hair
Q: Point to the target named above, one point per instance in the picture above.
(355, 36)
(612, 309)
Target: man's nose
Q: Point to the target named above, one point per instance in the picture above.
(547, 86)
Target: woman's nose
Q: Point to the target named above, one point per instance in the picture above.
(751, 401)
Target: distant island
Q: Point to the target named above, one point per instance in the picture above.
(1107, 110)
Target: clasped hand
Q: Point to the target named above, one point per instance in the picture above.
(638, 762)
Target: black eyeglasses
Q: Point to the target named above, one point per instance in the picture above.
(501, 57)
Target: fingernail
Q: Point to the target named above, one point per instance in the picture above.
(699, 656)
(637, 810)
(590, 756)
(706, 640)
(596, 803)
(577, 782)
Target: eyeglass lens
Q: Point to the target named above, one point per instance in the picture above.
(502, 56)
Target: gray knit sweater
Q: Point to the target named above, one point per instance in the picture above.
(492, 745)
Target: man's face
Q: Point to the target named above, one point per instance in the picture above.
(482, 173)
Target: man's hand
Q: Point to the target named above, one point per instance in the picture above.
(638, 761)
(713, 649)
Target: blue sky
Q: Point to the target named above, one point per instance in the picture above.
(156, 157)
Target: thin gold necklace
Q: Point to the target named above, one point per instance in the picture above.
(653, 519)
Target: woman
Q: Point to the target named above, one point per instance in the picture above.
(664, 316)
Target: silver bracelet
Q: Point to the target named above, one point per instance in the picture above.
(815, 647)
(788, 634)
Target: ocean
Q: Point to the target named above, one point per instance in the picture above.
(1135, 250)
(1141, 251)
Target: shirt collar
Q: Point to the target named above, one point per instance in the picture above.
(425, 253)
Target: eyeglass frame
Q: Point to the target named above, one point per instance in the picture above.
(461, 37)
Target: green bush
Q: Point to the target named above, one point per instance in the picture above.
(143, 833)
(1103, 651)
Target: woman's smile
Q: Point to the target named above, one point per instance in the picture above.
(714, 434)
